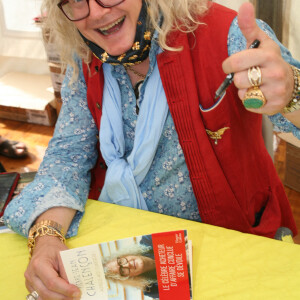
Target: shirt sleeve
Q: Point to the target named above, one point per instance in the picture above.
(236, 42)
(63, 178)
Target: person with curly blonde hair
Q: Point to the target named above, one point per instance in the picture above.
(181, 14)
(133, 266)
(146, 123)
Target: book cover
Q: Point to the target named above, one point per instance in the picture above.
(25, 179)
(8, 184)
(22, 180)
(155, 266)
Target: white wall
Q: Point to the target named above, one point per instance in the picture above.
(21, 46)
(292, 27)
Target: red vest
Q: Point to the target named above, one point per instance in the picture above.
(234, 181)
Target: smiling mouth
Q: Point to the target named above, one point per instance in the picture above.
(111, 28)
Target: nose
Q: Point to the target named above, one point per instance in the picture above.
(96, 10)
(131, 264)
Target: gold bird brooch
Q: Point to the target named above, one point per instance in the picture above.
(216, 135)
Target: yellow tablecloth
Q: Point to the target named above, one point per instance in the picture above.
(226, 264)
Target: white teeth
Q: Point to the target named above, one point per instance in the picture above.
(112, 24)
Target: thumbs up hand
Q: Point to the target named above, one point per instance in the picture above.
(277, 76)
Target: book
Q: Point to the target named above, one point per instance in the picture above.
(25, 179)
(155, 266)
(19, 181)
(8, 184)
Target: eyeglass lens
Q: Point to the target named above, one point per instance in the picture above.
(76, 10)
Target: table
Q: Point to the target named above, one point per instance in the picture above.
(226, 264)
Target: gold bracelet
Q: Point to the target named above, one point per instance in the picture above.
(45, 227)
(294, 104)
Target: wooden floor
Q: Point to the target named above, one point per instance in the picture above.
(293, 196)
(36, 137)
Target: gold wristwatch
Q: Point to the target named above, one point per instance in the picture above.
(45, 227)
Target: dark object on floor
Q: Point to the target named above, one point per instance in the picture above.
(284, 234)
(9, 149)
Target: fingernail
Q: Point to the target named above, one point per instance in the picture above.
(76, 295)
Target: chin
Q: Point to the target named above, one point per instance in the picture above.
(116, 51)
(118, 45)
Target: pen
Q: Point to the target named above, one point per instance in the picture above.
(229, 78)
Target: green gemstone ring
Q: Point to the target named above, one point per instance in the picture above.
(254, 98)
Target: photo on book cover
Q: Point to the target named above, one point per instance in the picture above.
(155, 266)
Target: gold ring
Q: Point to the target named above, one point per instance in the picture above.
(254, 76)
(254, 98)
(32, 296)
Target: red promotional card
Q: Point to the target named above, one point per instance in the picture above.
(171, 265)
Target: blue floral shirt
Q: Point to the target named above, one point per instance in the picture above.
(63, 177)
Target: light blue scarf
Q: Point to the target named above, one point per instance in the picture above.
(123, 177)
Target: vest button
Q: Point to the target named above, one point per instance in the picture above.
(98, 105)
(96, 68)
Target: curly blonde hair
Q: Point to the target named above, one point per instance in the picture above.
(177, 15)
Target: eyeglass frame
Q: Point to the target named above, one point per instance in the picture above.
(63, 2)
(121, 266)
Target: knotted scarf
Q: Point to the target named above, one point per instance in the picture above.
(124, 175)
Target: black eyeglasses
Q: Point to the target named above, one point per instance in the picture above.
(124, 271)
(76, 10)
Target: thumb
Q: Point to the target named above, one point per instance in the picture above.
(247, 24)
